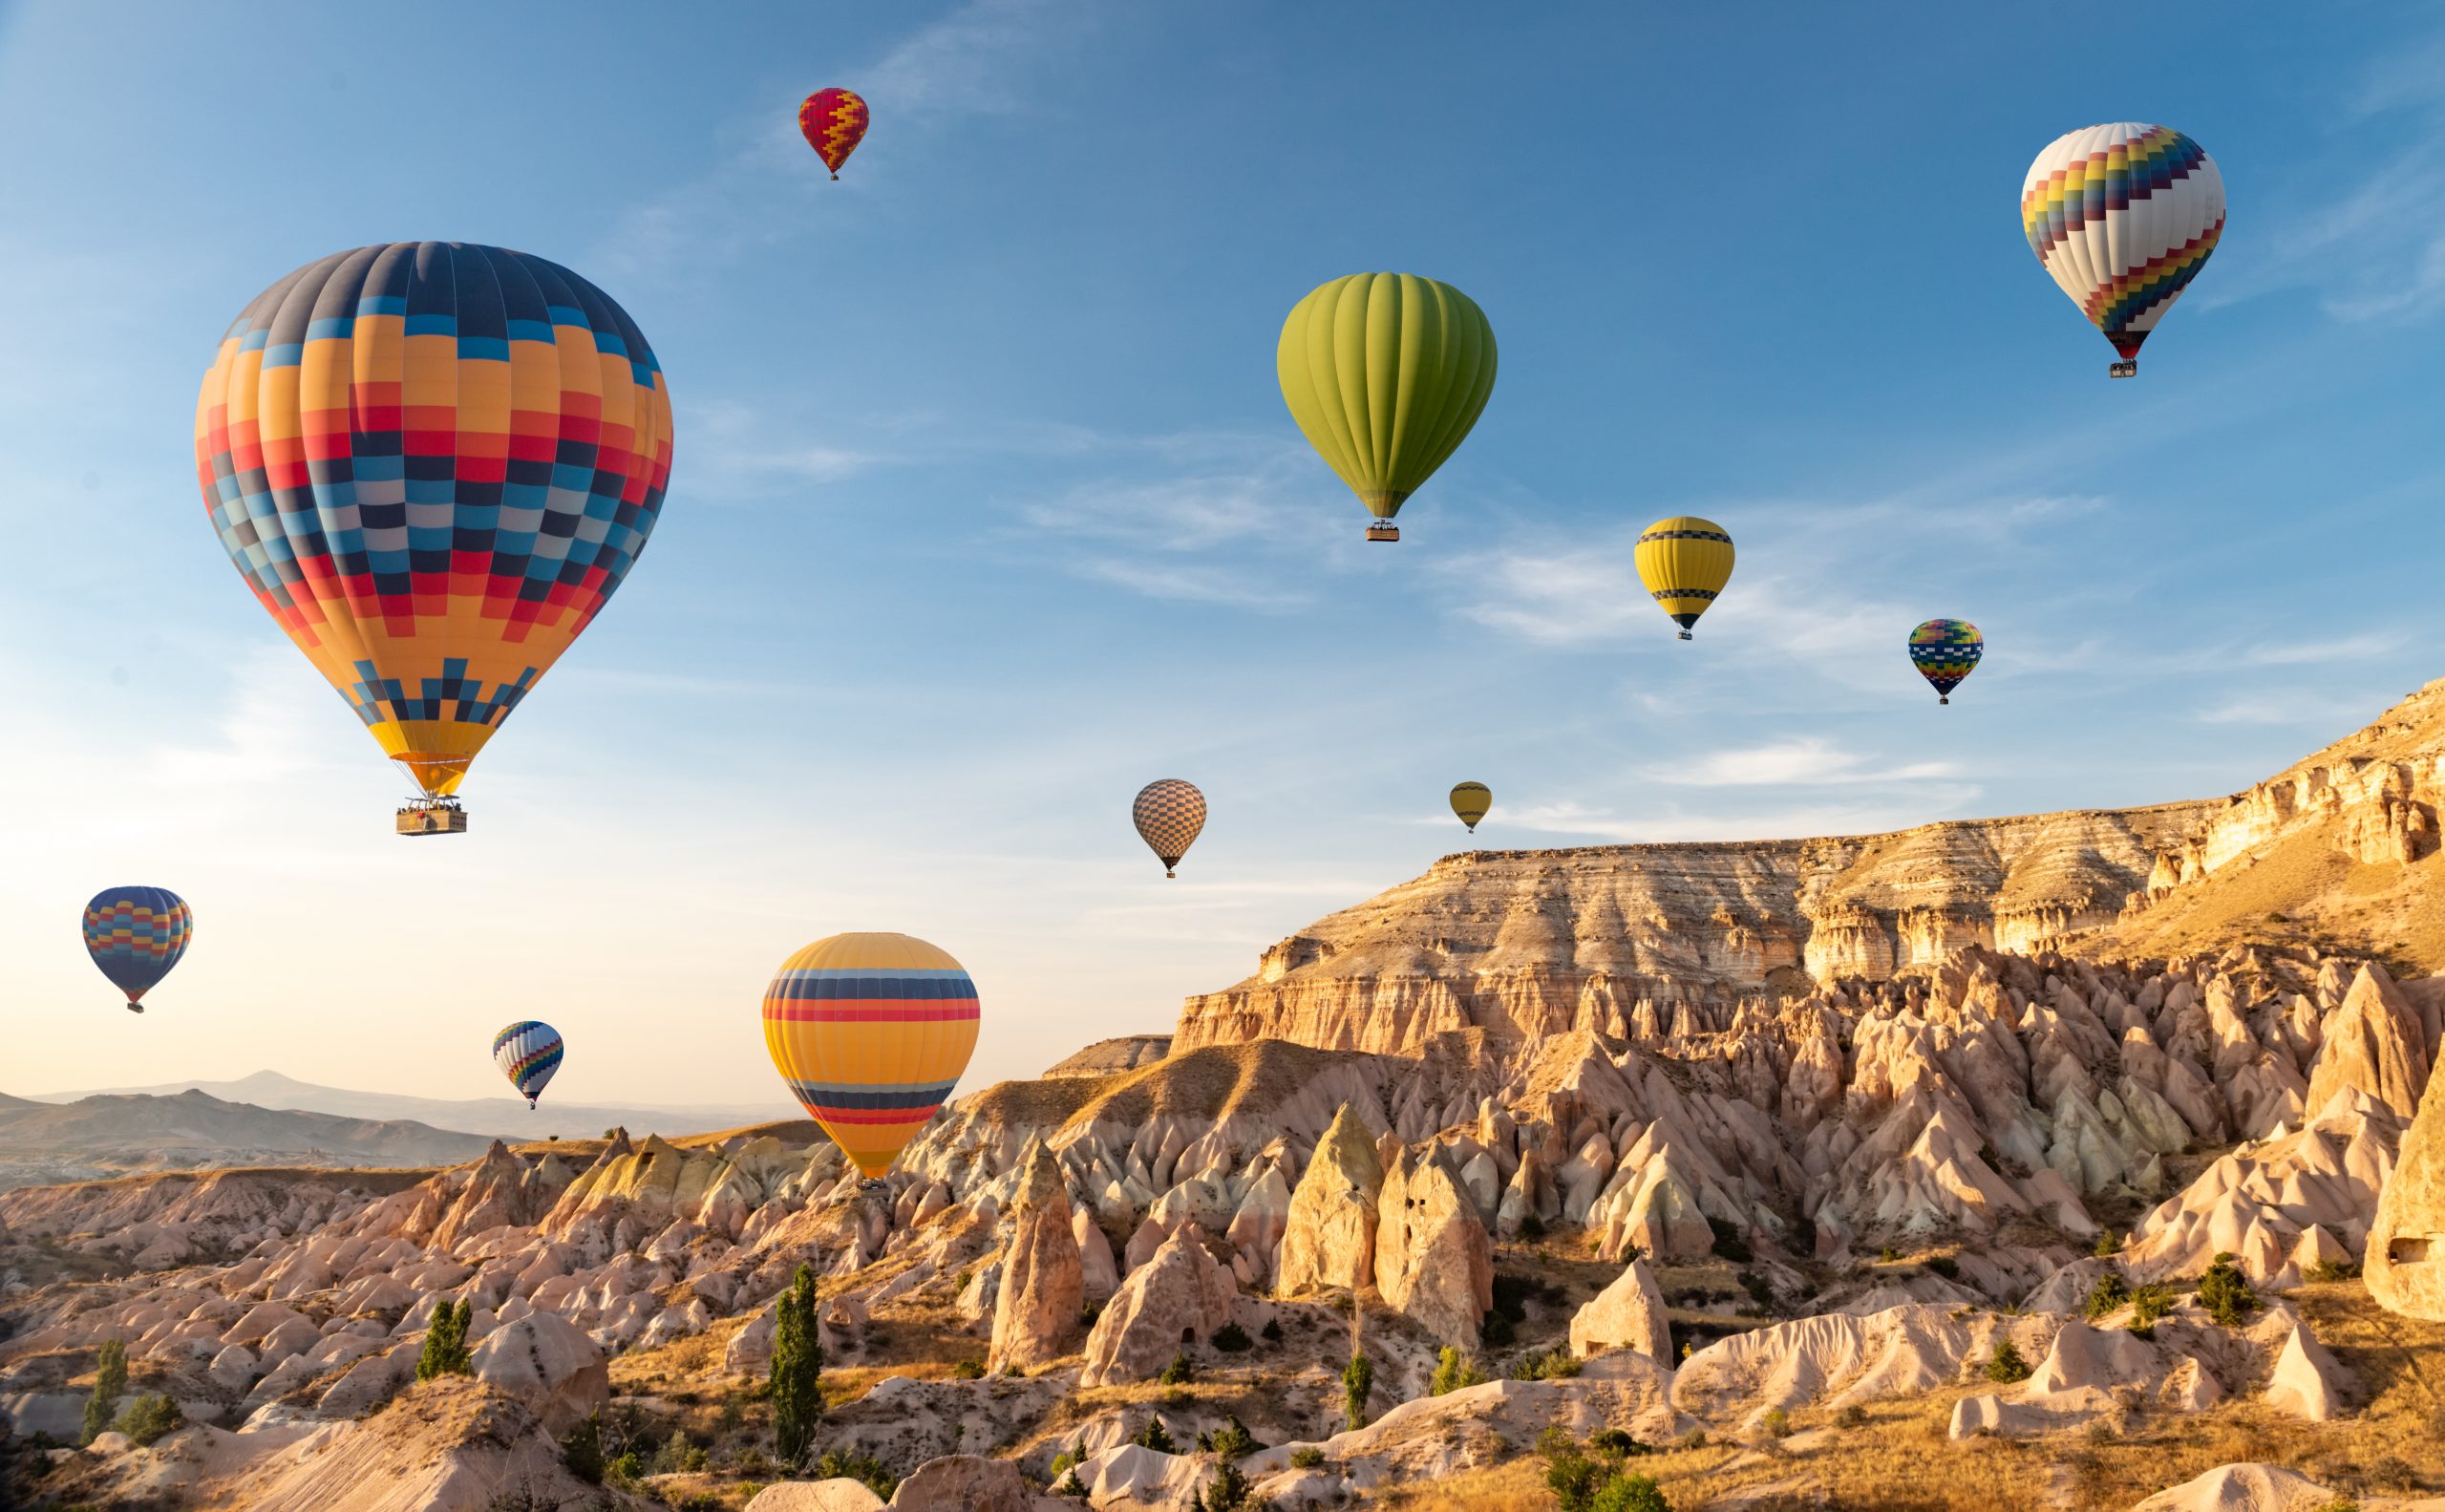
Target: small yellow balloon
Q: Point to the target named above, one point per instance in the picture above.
(1385, 373)
(1685, 562)
(1471, 800)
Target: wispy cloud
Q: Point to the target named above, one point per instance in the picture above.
(1804, 761)
(963, 63)
(1188, 583)
(2345, 649)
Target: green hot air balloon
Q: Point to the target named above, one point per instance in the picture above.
(1385, 373)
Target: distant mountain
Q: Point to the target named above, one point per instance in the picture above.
(41, 1142)
(496, 1118)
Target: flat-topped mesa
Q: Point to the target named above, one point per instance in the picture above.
(1526, 943)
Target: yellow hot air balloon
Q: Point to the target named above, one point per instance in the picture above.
(1471, 800)
(871, 1031)
(1385, 373)
(1685, 562)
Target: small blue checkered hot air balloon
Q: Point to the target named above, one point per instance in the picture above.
(528, 1051)
(135, 935)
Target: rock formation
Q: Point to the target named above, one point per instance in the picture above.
(1043, 1286)
(2406, 1250)
(1434, 1264)
(1179, 1297)
(1329, 1239)
(1630, 1314)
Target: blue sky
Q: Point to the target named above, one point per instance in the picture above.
(986, 509)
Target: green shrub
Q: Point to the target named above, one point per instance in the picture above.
(1066, 1459)
(1357, 1384)
(2110, 1295)
(445, 1342)
(1453, 1372)
(1306, 1457)
(1776, 1422)
(1232, 1339)
(968, 1371)
(109, 1384)
(1617, 1443)
(1889, 1255)
(1730, 1243)
(1945, 1266)
(797, 1375)
(1531, 1227)
(581, 1450)
(2226, 1294)
(1226, 1492)
(1853, 1416)
(1629, 1493)
(864, 1469)
(2109, 1245)
(1068, 1486)
(148, 1417)
(677, 1456)
(2005, 1365)
(1232, 1440)
(1271, 1333)
(1556, 1364)
(1155, 1436)
(1179, 1372)
(2333, 1270)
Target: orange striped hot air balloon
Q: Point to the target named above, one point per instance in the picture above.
(871, 1031)
(833, 121)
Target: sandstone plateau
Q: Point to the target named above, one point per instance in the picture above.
(2000, 1155)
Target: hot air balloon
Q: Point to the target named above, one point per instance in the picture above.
(1945, 652)
(2123, 215)
(433, 463)
(528, 1053)
(1685, 562)
(833, 121)
(1169, 813)
(871, 1031)
(1471, 800)
(1385, 373)
(135, 935)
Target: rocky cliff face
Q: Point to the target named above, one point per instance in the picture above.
(1638, 941)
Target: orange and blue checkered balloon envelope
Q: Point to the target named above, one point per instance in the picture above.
(833, 121)
(528, 1053)
(1169, 814)
(135, 935)
(871, 1033)
(432, 463)
(1945, 652)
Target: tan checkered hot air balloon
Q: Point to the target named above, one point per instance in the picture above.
(1169, 814)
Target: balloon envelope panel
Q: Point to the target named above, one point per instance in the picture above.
(871, 1033)
(833, 121)
(1169, 815)
(432, 463)
(528, 1053)
(136, 934)
(1945, 652)
(1684, 563)
(2123, 216)
(1386, 372)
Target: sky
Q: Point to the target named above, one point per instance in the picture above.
(986, 509)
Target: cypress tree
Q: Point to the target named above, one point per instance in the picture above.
(797, 1371)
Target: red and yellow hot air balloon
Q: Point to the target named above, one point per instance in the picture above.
(433, 463)
(833, 121)
(871, 1031)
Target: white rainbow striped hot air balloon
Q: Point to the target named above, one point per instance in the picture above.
(528, 1053)
(2123, 215)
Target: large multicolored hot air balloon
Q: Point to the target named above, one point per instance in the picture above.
(528, 1053)
(2123, 215)
(433, 463)
(135, 935)
(871, 1031)
(1471, 800)
(833, 121)
(1169, 813)
(1945, 652)
(1385, 373)
(1685, 562)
